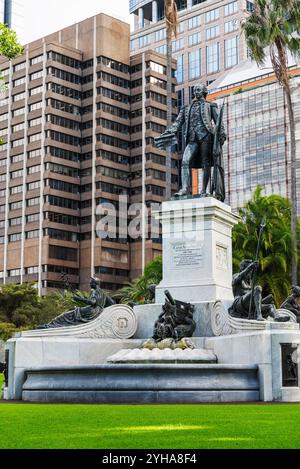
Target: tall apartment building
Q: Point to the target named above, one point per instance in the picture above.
(209, 38)
(258, 147)
(78, 120)
(12, 14)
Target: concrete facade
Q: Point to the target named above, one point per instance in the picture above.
(76, 137)
(207, 27)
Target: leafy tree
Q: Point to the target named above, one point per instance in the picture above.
(275, 24)
(15, 297)
(137, 291)
(21, 307)
(276, 254)
(10, 47)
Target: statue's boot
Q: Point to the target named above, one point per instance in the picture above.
(185, 178)
(205, 180)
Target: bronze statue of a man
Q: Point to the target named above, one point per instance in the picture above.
(261, 308)
(204, 137)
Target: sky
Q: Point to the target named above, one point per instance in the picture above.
(46, 16)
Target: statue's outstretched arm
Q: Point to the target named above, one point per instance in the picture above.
(176, 126)
(168, 138)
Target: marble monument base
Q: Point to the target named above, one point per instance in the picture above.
(197, 252)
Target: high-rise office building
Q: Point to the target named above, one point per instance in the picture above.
(258, 147)
(209, 37)
(12, 14)
(79, 120)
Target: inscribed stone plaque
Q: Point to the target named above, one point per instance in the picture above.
(186, 255)
(222, 258)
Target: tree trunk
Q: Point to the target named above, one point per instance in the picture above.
(169, 114)
(293, 186)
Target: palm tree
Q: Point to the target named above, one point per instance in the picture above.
(275, 24)
(276, 253)
(171, 28)
(138, 290)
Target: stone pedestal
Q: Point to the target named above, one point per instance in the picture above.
(197, 250)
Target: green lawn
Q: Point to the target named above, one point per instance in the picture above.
(157, 427)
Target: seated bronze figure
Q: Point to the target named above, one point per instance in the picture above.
(91, 309)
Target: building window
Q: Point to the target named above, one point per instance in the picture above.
(177, 45)
(17, 158)
(35, 106)
(18, 97)
(34, 138)
(17, 143)
(34, 153)
(231, 26)
(212, 15)
(32, 218)
(213, 58)
(160, 35)
(144, 40)
(16, 190)
(18, 127)
(161, 50)
(34, 169)
(180, 28)
(16, 205)
(250, 7)
(212, 32)
(33, 202)
(33, 185)
(34, 122)
(19, 67)
(31, 270)
(18, 112)
(32, 234)
(19, 81)
(64, 60)
(230, 8)
(16, 174)
(3, 117)
(37, 90)
(231, 52)
(179, 72)
(194, 22)
(194, 64)
(12, 239)
(36, 60)
(194, 39)
(63, 253)
(15, 221)
(36, 75)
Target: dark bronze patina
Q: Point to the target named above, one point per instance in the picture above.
(91, 309)
(204, 136)
(175, 321)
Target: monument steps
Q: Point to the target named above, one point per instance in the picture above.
(143, 384)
